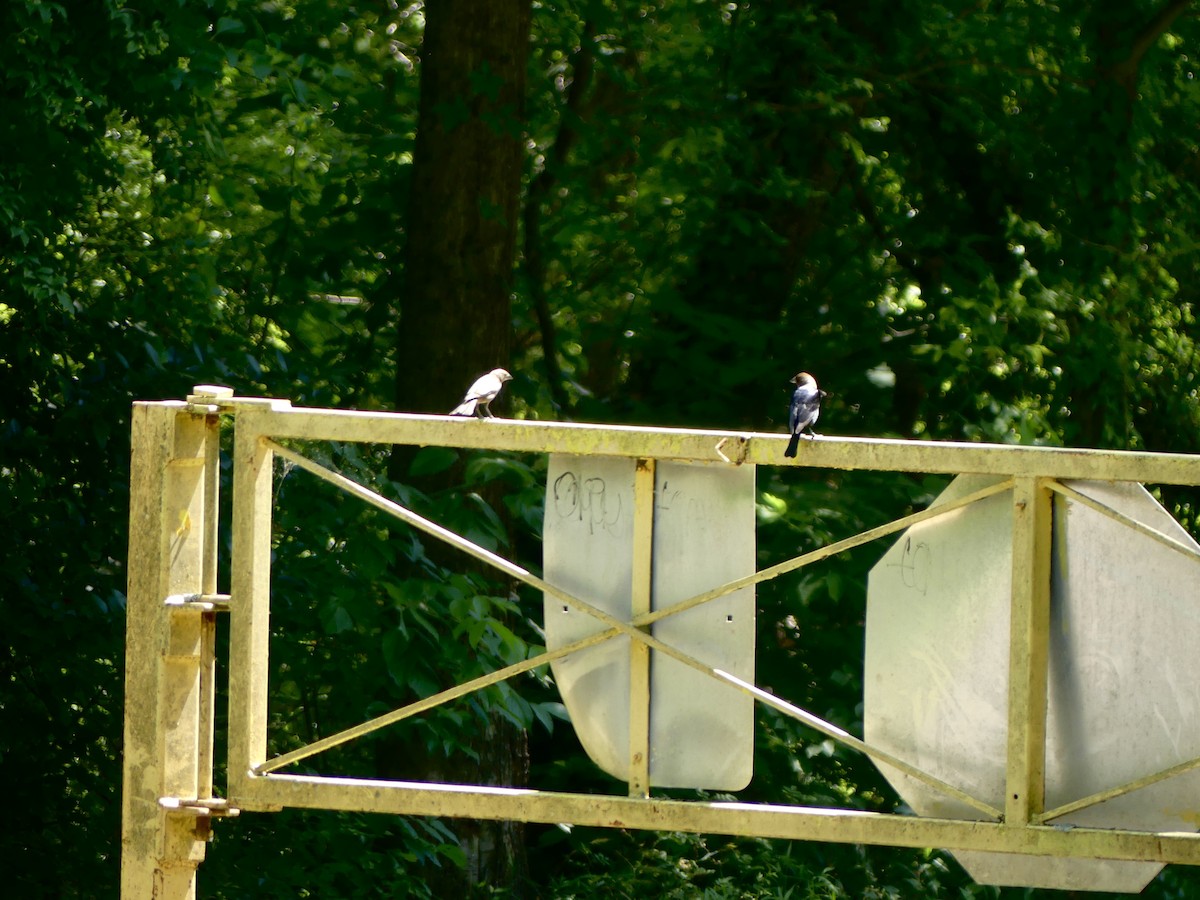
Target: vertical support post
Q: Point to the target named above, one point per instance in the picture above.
(639, 653)
(208, 619)
(166, 737)
(1028, 658)
(250, 599)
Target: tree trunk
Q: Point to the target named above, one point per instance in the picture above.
(455, 313)
(464, 203)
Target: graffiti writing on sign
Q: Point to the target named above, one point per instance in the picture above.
(587, 500)
(696, 508)
(666, 495)
(915, 560)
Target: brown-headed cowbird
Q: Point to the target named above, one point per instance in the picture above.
(806, 406)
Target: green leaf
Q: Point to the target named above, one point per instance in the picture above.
(335, 619)
(431, 460)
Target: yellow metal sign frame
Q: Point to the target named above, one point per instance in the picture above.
(168, 798)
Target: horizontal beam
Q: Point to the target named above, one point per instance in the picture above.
(282, 421)
(272, 792)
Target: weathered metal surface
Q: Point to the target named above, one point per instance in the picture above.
(641, 589)
(250, 591)
(605, 520)
(168, 688)
(704, 535)
(1028, 645)
(273, 792)
(284, 421)
(1117, 639)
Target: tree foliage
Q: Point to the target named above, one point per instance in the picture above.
(969, 221)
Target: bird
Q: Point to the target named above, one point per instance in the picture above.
(481, 394)
(806, 406)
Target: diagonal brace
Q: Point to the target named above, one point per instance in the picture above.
(615, 624)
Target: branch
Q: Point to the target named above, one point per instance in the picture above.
(1125, 72)
(539, 191)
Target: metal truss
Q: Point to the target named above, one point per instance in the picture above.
(169, 797)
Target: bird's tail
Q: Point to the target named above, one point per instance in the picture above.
(466, 408)
(792, 445)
